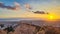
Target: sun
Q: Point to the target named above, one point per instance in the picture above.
(51, 17)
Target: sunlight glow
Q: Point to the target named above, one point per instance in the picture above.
(51, 17)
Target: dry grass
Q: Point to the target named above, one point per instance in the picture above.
(30, 29)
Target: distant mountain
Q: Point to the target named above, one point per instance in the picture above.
(34, 21)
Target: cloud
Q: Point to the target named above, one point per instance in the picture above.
(7, 7)
(17, 6)
(28, 6)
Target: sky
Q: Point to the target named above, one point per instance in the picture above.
(51, 6)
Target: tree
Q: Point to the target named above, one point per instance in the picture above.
(9, 29)
(2, 25)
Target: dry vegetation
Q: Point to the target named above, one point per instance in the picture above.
(32, 29)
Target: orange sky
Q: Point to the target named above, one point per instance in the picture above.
(50, 6)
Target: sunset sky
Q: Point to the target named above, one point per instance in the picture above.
(50, 6)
